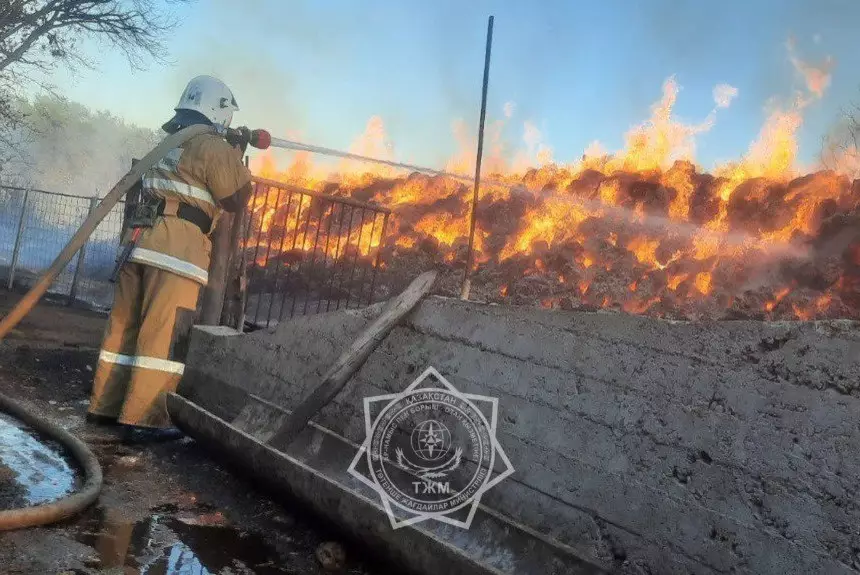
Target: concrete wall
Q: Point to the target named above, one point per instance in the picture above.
(644, 446)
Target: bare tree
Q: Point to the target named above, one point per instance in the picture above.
(41, 33)
(36, 36)
(840, 148)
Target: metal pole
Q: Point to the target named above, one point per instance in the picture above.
(73, 292)
(470, 258)
(16, 251)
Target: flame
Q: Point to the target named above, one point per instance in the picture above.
(703, 282)
(555, 221)
(777, 297)
(655, 144)
(583, 286)
(676, 280)
(644, 250)
(644, 229)
(815, 309)
(445, 227)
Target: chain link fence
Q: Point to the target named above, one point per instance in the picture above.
(35, 225)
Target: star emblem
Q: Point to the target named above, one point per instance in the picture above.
(430, 452)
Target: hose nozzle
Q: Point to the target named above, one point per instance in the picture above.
(260, 139)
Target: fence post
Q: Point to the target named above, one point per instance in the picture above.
(213, 293)
(19, 236)
(233, 314)
(235, 296)
(73, 292)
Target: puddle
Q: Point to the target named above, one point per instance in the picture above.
(32, 470)
(163, 545)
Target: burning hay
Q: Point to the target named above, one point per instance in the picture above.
(751, 256)
(645, 230)
(665, 244)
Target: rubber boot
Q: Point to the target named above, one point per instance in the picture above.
(101, 419)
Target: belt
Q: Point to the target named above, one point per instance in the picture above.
(189, 213)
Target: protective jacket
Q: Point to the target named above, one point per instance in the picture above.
(205, 173)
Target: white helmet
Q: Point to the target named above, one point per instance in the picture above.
(211, 97)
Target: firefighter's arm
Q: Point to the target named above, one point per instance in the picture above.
(238, 200)
(227, 178)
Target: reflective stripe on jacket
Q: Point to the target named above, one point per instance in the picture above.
(202, 172)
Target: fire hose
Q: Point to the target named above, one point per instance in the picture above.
(67, 506)
(76, 502)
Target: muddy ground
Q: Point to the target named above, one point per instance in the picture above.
(164, 509)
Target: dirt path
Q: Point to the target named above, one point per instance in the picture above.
(165, 509)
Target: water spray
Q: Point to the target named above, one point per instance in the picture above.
(300, 147)
(733, 239)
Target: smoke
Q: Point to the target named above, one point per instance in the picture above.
(75, 150)
(374, 143)
(816, 76)
(840, 150)
(536, 152)
(724, 94)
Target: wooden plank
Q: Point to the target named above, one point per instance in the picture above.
(213, 294)
(352, 359)
(233, 314)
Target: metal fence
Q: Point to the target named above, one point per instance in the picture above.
(304, 252)
(35, 225)
(308, 252)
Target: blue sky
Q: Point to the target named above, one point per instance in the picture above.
(580, 70)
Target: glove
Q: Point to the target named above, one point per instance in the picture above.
(239, 138)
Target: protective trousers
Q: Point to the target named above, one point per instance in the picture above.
(144, 346)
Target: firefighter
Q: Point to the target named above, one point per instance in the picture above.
(146, 340)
